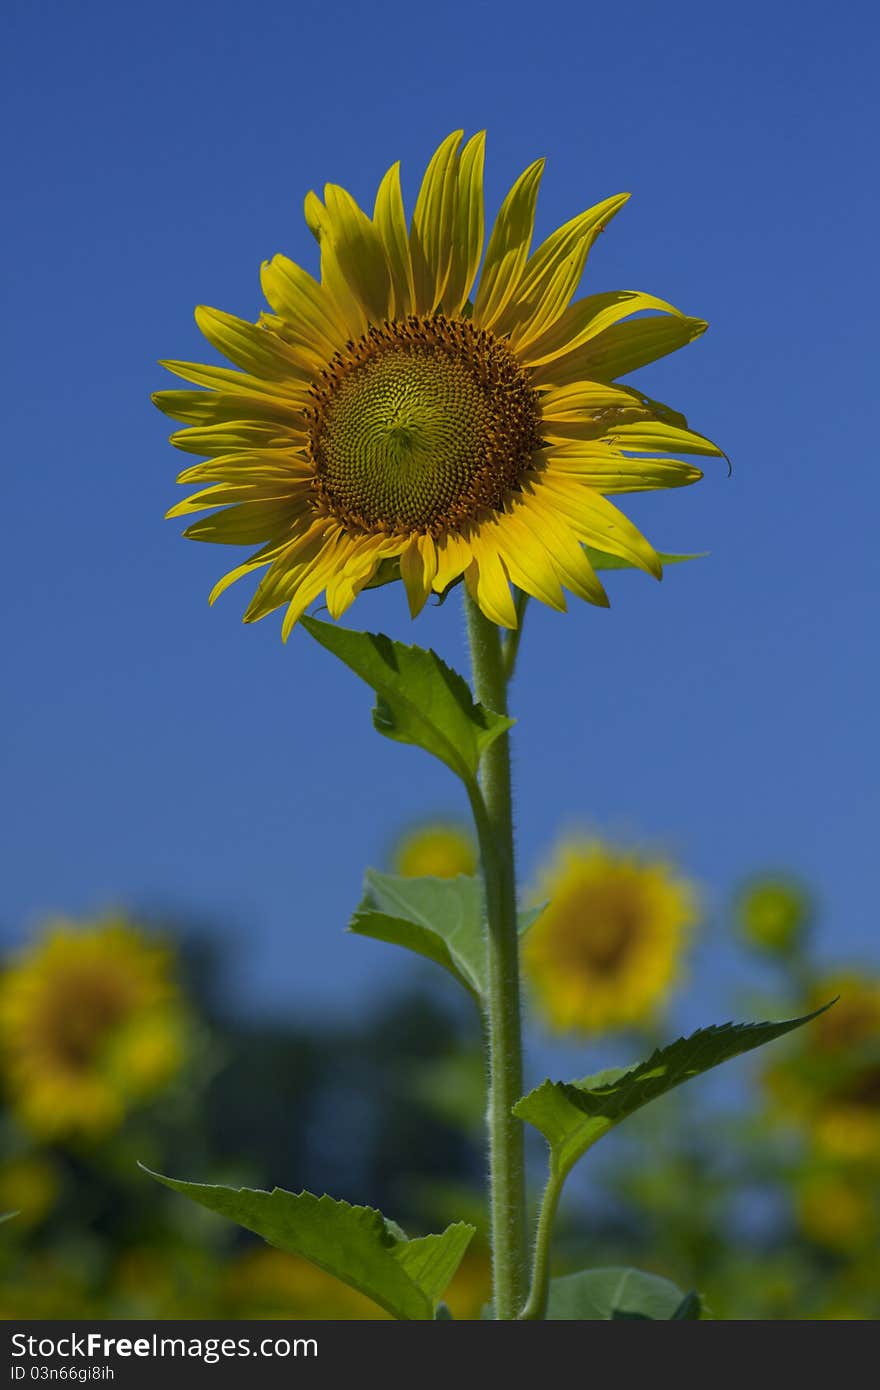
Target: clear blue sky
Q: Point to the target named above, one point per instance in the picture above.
(159, 754)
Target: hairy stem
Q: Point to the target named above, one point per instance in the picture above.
(492, 805)
(537, 1304)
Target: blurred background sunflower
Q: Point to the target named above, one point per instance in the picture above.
(436, 849)
(608, 949)
(91, 1024)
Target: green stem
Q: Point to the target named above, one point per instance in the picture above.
(510, 647)
(537, 1304)
(492, 805)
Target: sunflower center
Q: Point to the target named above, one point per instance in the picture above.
(82, 1013)
(609, 928)
(420, 425)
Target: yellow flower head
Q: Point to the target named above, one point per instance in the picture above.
(774, 913)
(90, 1024)
(607, 951)
(383, 424)
(440, 849)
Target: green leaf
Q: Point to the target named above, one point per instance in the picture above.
(618, 1293)
(356, 1244)
(421, 700)
(573, 1116)
(602, 560)
(439, 918)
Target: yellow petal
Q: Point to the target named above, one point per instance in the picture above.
(582, 401)
(415, 576)
(237, 435)
(620, 349)
(346, 302)
(304, 305)
(453, 557)
(599, 523)
(256, 350)
(467, 240)
(259, 560)
(248, 523)
(359, 252)
(207, 408)
(356, 569)
(310, 586)
(584, 320)
(390, 222)
(258, 465)
(508, 247)
(554, 271)
(567, 555)
(313, 211)
(229, 380)
(609, 472)
(434, 225)
(223, 493)
(526, 559)
(291, 564)
(647, 435)
(488, 585)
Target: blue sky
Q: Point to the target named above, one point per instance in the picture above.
(159, 754)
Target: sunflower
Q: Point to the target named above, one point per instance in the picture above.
(607, 950)
(437, 849)
(90, 1024)
(382, 424)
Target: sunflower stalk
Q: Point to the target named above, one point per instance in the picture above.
(492, 805)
